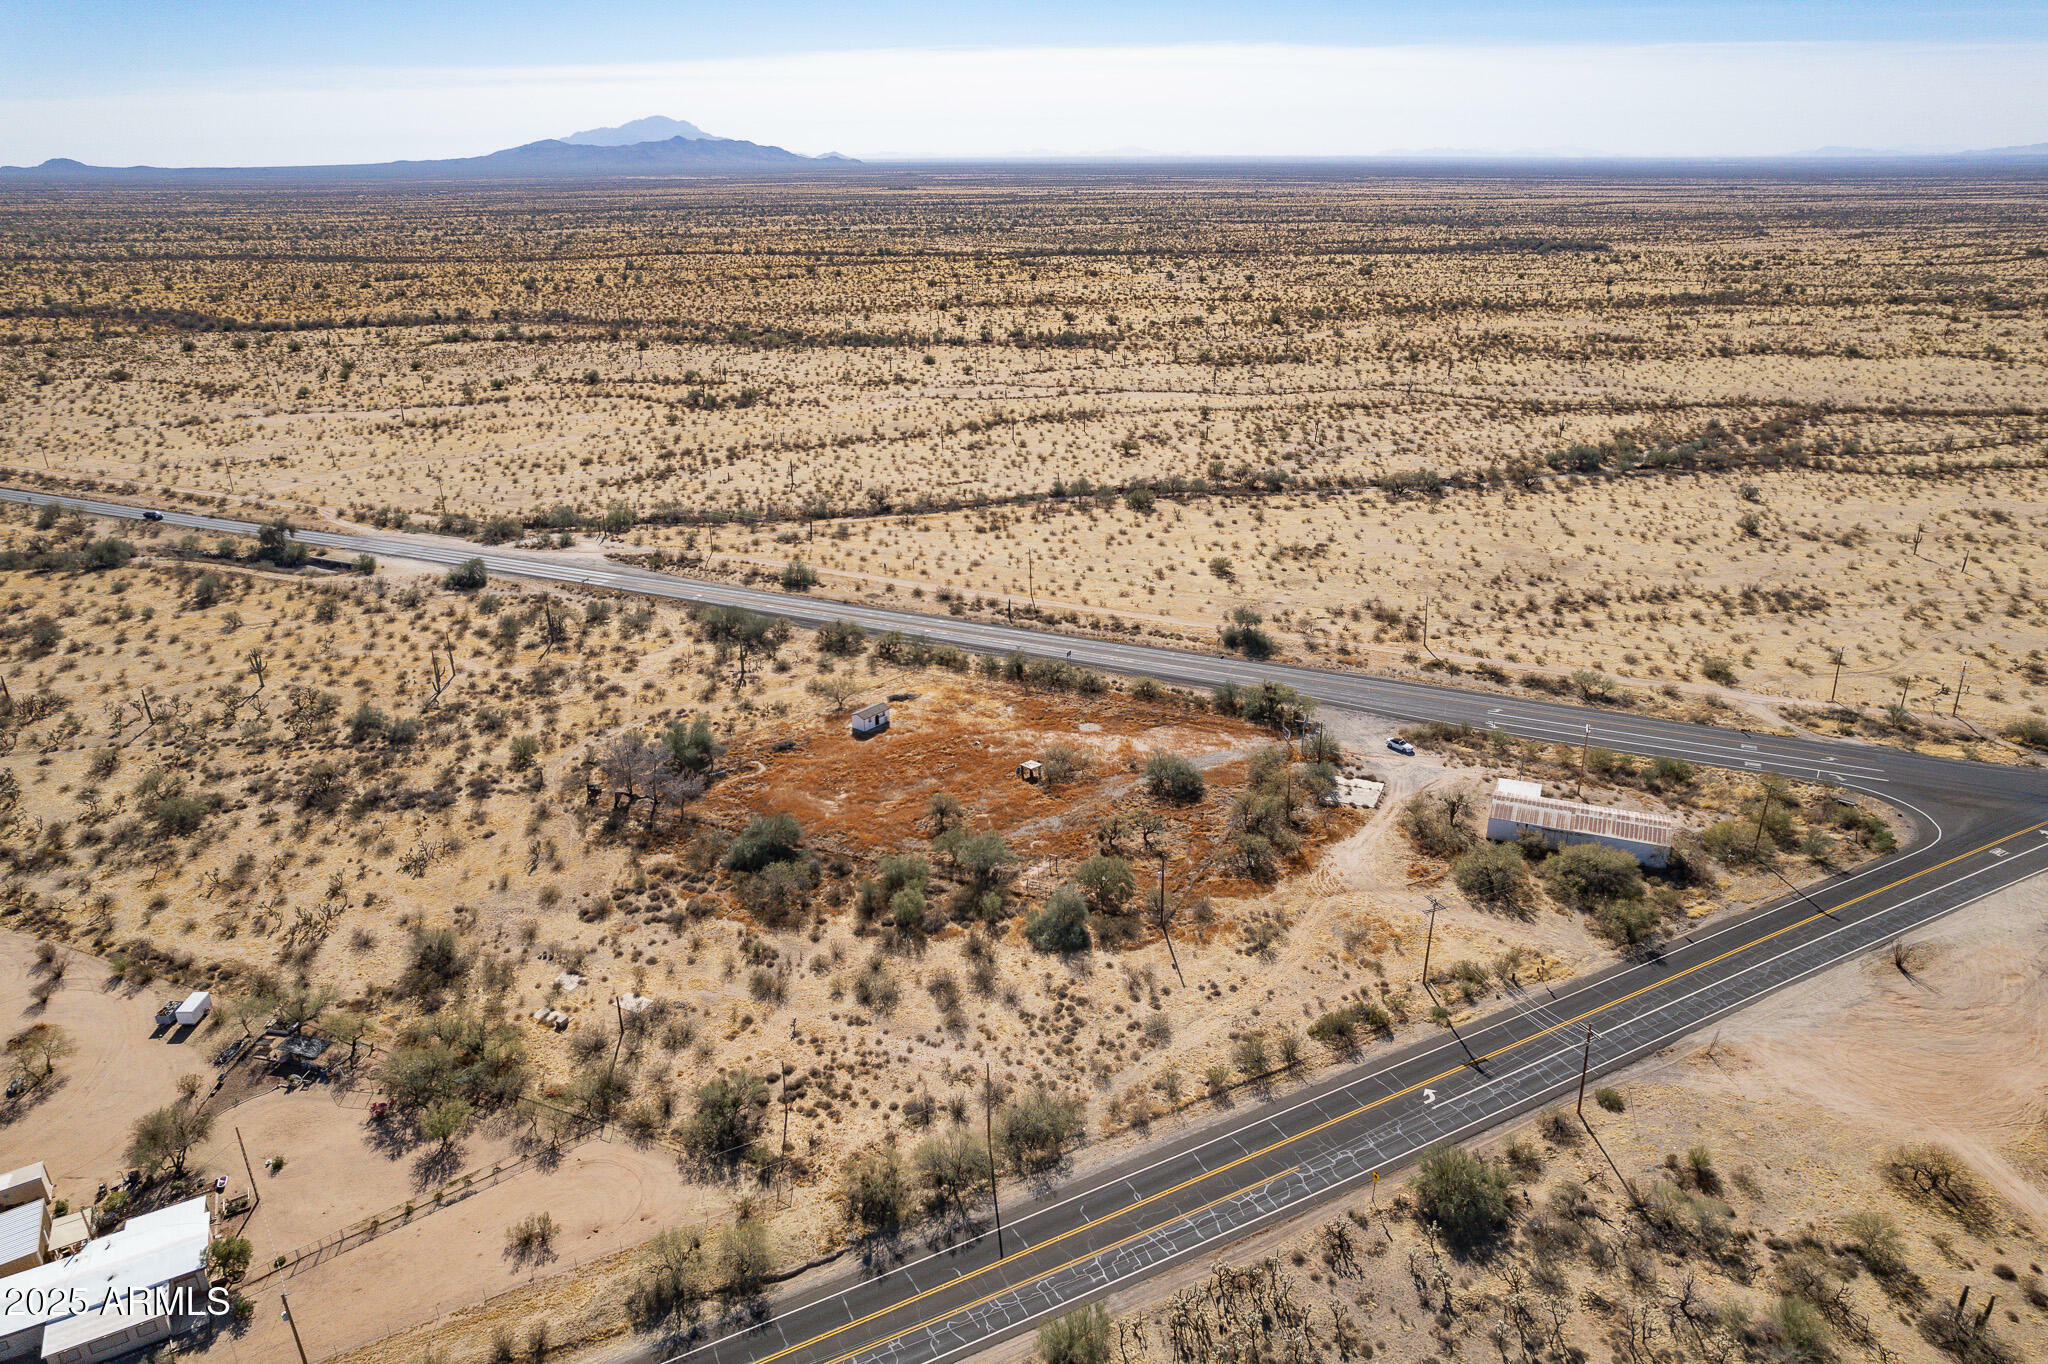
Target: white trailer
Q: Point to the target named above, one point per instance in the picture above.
(194, 1009)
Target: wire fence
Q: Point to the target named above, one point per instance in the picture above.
(446, 1195)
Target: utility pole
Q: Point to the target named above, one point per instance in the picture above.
(1966, 564)
(1585, 1064)
(249, 1170)
(1030, 580)
(1584, 744)
(612, 1070)
(1957, 703)
(1166, 922)
(292, 1320)
(1428, 940)
(784, 1161)
(988, 1121)
(1762, 810)
(1839, 654)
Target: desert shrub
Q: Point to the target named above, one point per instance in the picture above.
(1061, 924)
(1609, 1098)
(1796, 1327)
(1875, 1240)
(1494, 874)
(797, 576)
(727, 1115)
(775, 893)
(1169, 776)
(1438, 827)
(1627, 923)
(1338, 1029)
(435, 964)
(877, 989)
(952, 1167)
(1245, 637)
(367, 723)
(178, 814)
(1032, 1128)
(165, 1136)
(1586, 875)
(743, 1258)
(842, 639)
(767, 839)
(228, 1257)
(1464, 1197)
(1937, 1176)
(1719, 671)
(522, 752)
(455, 1055)
(1671, 771)
(2031, 731)
(1108, 882)
(673, 1286)
(876, 1189)
(1061, 764)
(1274, 703)
(468, 576)
(1735, 843)
(1081, 1336)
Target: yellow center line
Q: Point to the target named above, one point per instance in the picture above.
(1363, 1108)
(1069, 1264)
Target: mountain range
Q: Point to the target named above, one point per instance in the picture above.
(661, 146)
(645, 147)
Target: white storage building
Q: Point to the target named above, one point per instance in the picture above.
(1518, 808)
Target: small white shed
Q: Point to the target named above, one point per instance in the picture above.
(871, 719)
(195, 1008)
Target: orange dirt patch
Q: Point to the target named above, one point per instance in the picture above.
(868, 797)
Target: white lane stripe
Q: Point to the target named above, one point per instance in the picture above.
(1480, 1124)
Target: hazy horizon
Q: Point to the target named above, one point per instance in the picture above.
(232, 84)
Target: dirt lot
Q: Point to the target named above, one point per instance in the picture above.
(78, 1124)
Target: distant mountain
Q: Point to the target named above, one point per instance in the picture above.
(552, 158)
(653, 129)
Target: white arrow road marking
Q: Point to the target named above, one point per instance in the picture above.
(1429, 1096)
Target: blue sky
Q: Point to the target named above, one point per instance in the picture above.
(187, 81)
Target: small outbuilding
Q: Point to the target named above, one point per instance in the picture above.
(195, 1008)
(872, 719)
(1514, 812)
(1033, 770)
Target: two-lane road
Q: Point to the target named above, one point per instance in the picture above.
(1979, 828)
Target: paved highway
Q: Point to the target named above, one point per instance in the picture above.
(1979, 828)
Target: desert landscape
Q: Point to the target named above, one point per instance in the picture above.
(640, 984)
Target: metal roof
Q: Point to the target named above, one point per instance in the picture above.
(871, 711)
(156, 1248)
(301, 1047)
(21, 1231)
(1593, 821)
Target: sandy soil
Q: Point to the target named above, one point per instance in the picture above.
(606, 1196)
(78, 1124)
